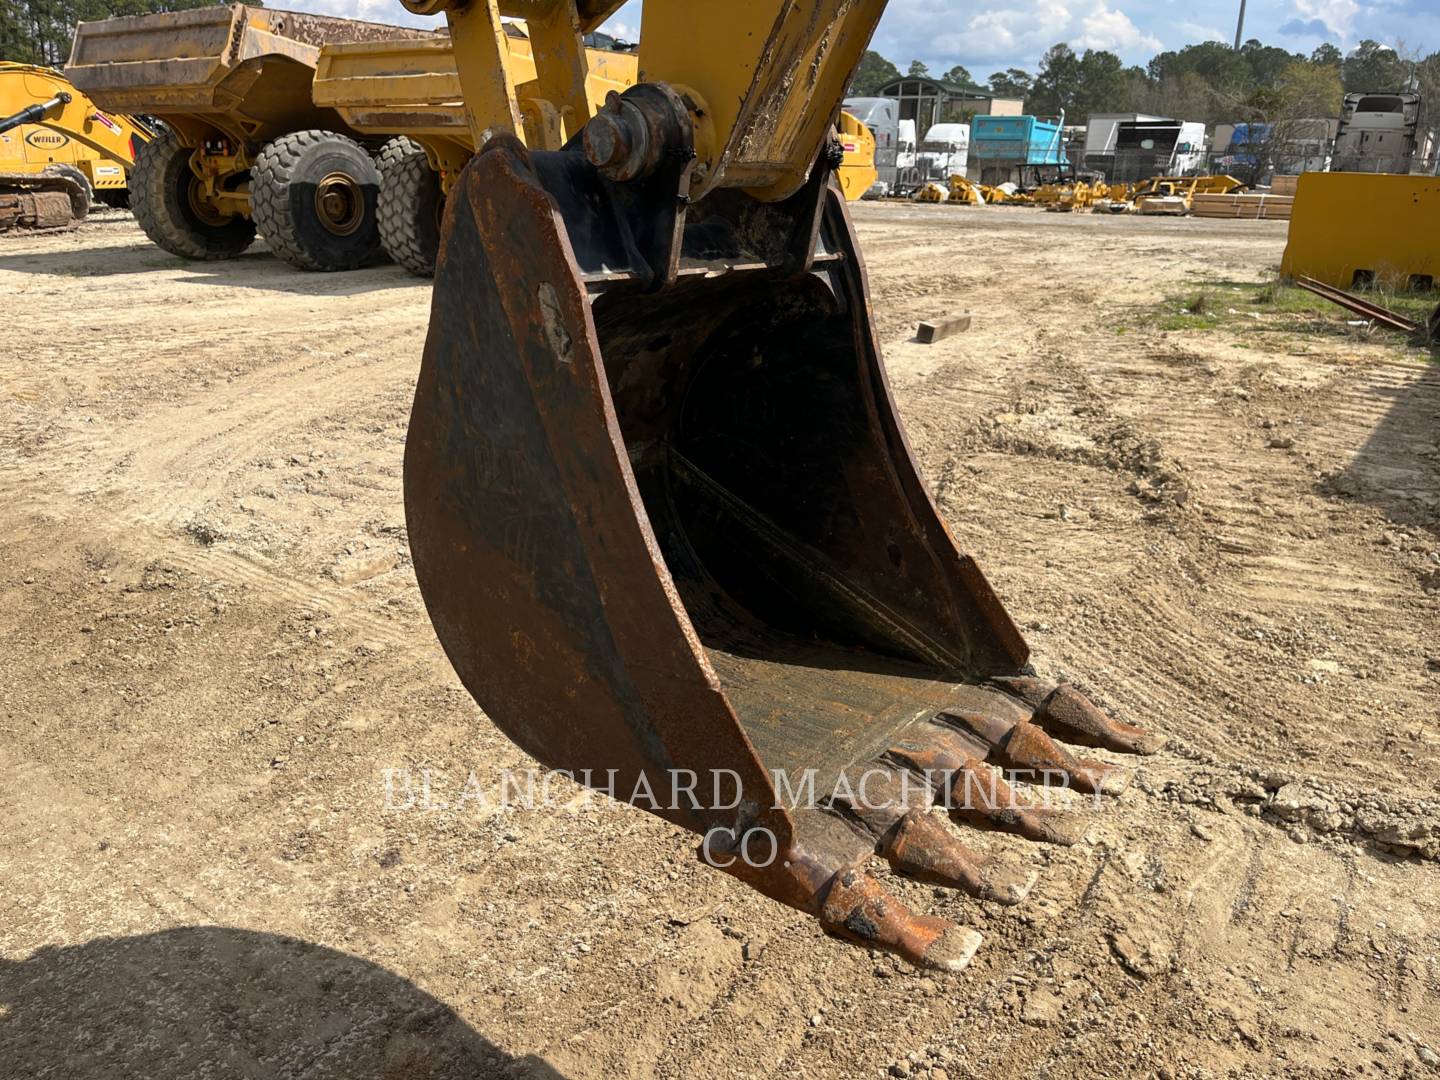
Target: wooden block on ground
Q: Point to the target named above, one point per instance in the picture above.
(930, 332)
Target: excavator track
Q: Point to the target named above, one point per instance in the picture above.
(41, 201)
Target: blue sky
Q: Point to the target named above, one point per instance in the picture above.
(990, 35)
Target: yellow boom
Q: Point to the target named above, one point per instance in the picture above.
(54, 138)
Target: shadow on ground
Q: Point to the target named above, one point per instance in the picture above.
(255, 269)
(1398, 468)
(213, 1001)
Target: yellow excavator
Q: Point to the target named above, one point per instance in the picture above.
(662, 509)
(857, 172)
(58, 151)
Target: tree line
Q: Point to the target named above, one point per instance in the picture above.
(1210, 82)
(40, 31)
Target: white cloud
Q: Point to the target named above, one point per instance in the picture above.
(1110, 28)
(1196, 32)
(1336, 14)
(994, 33)
(625, 23)
(380, 11)
(1006, 31)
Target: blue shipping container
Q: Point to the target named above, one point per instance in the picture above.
(1015, 140)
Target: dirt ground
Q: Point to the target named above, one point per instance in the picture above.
(212, 646)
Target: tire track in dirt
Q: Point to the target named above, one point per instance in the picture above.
(592, 938)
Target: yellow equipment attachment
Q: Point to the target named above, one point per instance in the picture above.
(1352, 230)
(1116, 198)
(931, 192)
(1000, 195)
(1174, 194)
(411, 90)
(55, 139)
(662, 510)
(857, 173)
(968, 193)
(1078, 197)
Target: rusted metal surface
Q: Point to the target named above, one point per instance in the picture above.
(665, 519)
(1359, 305)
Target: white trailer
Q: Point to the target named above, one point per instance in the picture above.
(1101, 130)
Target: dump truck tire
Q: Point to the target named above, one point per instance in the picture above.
(410, 206)
(161, 186)
(313, 196)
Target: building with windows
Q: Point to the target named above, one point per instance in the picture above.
(933, 101)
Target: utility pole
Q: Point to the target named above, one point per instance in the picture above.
(1240, 25)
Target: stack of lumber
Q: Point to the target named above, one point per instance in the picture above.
(1283, 185)
(1247, 205)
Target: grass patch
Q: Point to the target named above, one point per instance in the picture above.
(1270, 307)
(1196, 311)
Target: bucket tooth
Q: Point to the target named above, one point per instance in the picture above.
(976, 795)
(920, 847)
(917, 844)
(1065, 712)
(1024, 747)
(859, 909)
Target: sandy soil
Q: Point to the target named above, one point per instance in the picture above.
(211, 645)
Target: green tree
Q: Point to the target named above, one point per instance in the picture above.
(1427, 74)
(1267, 63)
(873, 72)
(1327, 54)
(919, 69)
(1057, 82)
(1373, 67)
(1011, 83)
(40, 31)
(1212, 61)
(959, 75)
(1101, 86)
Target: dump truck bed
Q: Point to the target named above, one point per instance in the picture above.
(413, 88)
(247, 70)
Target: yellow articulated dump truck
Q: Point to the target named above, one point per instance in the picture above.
(410, 90)
(58, 150)
(246, 148)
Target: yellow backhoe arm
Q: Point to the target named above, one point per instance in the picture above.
(760, 79)
(661, 507)
(37, 95)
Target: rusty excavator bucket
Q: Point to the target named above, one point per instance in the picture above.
(670, 534)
